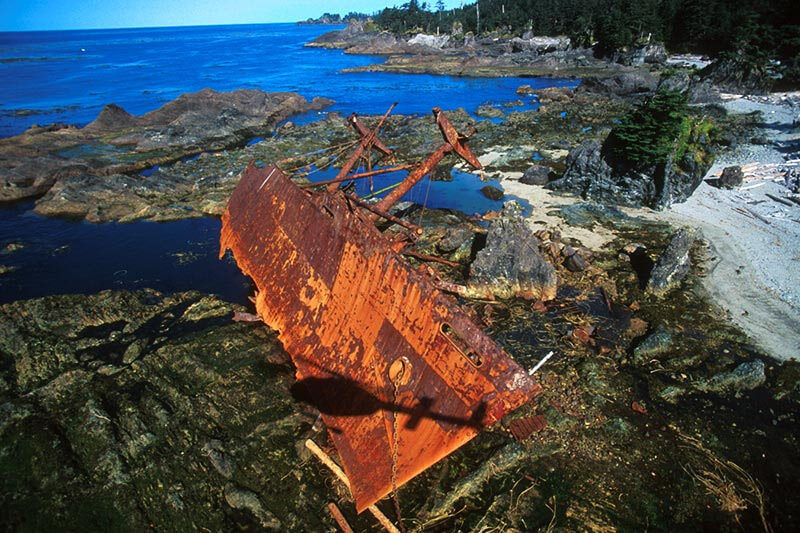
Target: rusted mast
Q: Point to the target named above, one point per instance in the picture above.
(369, 139)
(454, 142)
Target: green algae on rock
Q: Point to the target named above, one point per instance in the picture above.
(131, 411)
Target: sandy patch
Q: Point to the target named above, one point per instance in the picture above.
(543, 201)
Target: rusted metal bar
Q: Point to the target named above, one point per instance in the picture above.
(383, 214)
(337, 515)
(453, 142)
(433, 258)
(358, 176)
(366, 143)
(339, 473)
(363, 132)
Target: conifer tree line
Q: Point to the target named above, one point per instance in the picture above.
(760, 29)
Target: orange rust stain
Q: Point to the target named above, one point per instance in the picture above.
(347, 307)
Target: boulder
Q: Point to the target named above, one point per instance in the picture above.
(492, 193)
(731, 177)
(457, 242)
(673, 265)
(746, 376)
(575, 260)
(699, 90)
(549, 95)
(536, 175)
(650, 54)
(511, 265)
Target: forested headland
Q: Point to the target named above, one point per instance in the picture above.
(751, 33)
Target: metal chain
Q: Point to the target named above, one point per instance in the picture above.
(395, 445)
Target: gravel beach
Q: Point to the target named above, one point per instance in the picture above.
(755, 239)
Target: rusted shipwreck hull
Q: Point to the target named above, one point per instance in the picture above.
(393, 364)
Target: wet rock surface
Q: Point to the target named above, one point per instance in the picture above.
(118, 142)
(673, 264)
(133, 411)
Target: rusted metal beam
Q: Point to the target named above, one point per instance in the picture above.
(453, 142)
(433, 258)
(366, 142)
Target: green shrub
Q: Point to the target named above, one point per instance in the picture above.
(649, 133)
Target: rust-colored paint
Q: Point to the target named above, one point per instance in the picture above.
(377, 346)
(523, 428)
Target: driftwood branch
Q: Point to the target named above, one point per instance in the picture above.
(327, 461)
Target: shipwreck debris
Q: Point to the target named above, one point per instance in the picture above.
(400, 373)
(523, 428)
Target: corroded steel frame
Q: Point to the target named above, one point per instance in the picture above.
(385, 356)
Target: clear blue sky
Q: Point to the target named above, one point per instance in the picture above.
(21, 15)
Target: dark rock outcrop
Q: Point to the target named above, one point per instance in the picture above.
(649, 54)
(539, 45)
(746, 376)
(654, 345)
(741, 75)
(673, 265)
(492, 193)
(511, 265)
(624, 84)
(595, 175)
(141, 411)
(698, 89)
(118, 142)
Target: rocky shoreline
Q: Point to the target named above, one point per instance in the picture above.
(118, 143)
(490, 56)
(134, 410)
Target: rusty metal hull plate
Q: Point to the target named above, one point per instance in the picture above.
(371, 337)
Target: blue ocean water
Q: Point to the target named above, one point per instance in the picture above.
(68, 76)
